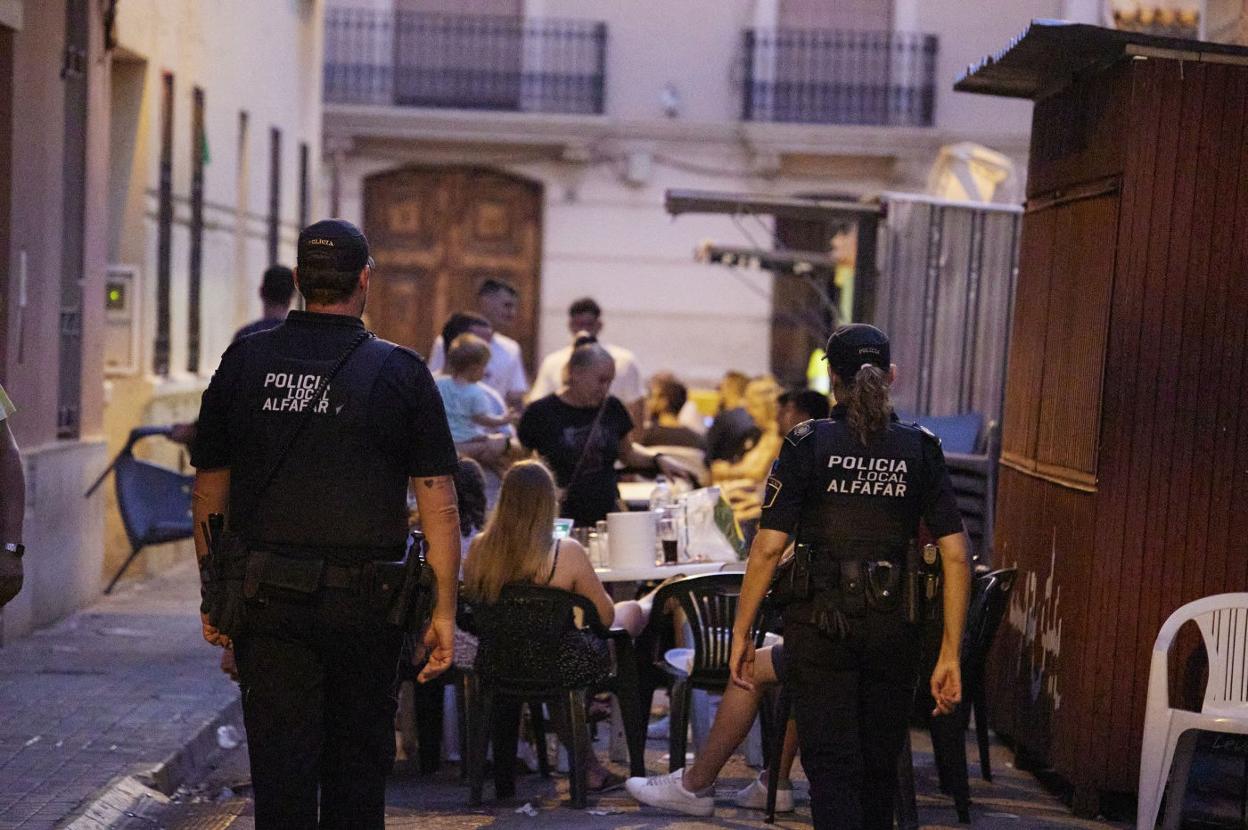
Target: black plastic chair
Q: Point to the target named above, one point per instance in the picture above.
(985, 618)
(709, 603)
(989, 599)
(774, 748)
(154, 501)
(526, 623)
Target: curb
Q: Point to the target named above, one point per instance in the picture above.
(130, 796)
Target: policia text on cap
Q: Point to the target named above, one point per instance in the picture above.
(853, 489)
(309, 435)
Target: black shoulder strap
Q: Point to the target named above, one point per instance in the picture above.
(321, 383)
(589, 439)
(554, 565)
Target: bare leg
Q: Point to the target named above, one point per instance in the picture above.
(630, 616)
(732, 723)
(596, 772)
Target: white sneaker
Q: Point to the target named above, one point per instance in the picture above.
(754, 796)
(668, 792)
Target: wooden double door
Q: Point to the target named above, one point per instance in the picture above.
(436, 233)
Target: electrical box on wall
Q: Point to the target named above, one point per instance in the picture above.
(121, 320)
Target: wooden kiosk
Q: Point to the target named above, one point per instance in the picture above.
(1124, 467)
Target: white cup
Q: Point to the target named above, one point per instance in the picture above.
(632, 538)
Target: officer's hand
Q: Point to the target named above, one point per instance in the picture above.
(228, 665)
(439, 644)
(741, 662)
(946, 686)
(211, 634)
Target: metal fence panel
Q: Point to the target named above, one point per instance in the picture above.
(945, 296)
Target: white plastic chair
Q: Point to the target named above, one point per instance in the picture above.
(1223, 623)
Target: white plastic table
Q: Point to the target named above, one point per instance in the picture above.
(653, 572)
(636, 494)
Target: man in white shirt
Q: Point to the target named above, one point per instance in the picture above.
(496, 300)
(585, 315)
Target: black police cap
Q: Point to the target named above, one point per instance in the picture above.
(851, 346)
(333, 244)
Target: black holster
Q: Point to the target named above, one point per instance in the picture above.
(222, 573)
(923, 578)
(412, 604)
(791, 581)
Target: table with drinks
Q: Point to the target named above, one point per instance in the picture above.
(649, 542)
(642, 545)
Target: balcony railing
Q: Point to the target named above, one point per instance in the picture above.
(464, 62)
(840, 77)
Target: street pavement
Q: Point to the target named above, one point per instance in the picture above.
(438, 802)
(119, 689)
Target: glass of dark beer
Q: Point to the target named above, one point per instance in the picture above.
(669, 538)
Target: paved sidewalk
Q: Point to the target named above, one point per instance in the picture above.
(126, 687)
(1013, 801)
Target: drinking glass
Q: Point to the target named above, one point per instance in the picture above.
(669, 537)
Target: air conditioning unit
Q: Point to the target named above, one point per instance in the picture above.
(121, 321)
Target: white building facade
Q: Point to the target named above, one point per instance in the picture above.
(574, 118)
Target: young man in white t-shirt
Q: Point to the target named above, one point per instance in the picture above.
(496, 300)
(585, 315)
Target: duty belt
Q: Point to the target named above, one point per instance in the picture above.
(840, 582)
(302, 570)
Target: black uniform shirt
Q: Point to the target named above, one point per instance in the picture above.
(263, 324)
(827, 487)
(332, 486)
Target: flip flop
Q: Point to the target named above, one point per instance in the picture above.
(610, 781)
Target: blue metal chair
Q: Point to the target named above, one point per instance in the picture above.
(154, 501)
(958, 433)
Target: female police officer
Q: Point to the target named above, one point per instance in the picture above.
(853, 490)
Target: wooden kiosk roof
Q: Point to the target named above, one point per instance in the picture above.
(1050, 54)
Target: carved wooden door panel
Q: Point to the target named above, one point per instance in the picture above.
(436, 233)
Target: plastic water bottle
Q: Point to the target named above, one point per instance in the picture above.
(661, 496)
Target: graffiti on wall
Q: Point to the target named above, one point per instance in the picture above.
(1036, 616)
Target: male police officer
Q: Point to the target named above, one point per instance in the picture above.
(853, 489)
(314, 477)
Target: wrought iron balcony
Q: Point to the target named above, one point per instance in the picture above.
(840, 77)
(464, 62)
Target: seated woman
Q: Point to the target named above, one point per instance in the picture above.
(581, 431)
(692, 790)
(516, 546)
